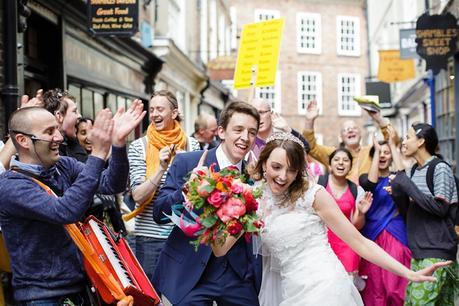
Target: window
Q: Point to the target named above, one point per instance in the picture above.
(233, 14)
(221, 35)
(308, 33)
(272, 94)
(176, 23)
(348, 35)
(309, 88)
(213, 45)
(348, 88)
(204, 30)
(261, 15)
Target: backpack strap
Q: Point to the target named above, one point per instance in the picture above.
(323, 180)
(353, 188)
(413, 168)
(430, 173)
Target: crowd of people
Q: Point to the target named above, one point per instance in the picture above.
(343, 225)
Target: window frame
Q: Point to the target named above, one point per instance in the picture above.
(318, 93)
(318, 33)
(357, 111)
(356, 51)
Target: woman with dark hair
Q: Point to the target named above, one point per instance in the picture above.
(385, 226)
(429, 217)
(353, 203)
(299, 267)
(83, 128)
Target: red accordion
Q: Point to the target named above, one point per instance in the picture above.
(115, 254)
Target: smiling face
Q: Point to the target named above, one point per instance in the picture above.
(350, 134)
(385, 157)
(411, 143)
(239, 136)
(340, 164)
(162, 114)
(70, 119)
(279, 174)
(44, 150)
(82, 134)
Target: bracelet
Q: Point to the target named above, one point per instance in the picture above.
(153, 183)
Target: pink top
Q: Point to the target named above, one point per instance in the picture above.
(345, 254)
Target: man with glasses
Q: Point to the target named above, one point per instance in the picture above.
(46, 265)
(351, 138)
(269, 122)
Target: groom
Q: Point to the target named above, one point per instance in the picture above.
(187, 277)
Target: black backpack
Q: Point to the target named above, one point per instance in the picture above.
(430, 179)
(323, 180)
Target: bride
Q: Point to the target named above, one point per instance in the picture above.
(299, 266)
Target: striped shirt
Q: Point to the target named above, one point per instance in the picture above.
(443, 182)
(144, 223)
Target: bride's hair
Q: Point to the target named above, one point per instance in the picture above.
(296, 158)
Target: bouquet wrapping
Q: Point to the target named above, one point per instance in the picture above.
(218, 204)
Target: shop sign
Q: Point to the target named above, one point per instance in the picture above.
(394, 69)
(436, 37)
(408, 44)
(113, 17)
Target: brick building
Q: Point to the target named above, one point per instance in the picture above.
(323, 56)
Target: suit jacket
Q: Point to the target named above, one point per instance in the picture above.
(180, 267)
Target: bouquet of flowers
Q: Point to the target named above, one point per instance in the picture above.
(220, 203)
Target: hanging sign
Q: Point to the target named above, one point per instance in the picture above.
(113, 17)
(258, 53)
(408, 44)
(436, 37)
(394, 69)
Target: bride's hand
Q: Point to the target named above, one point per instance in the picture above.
(425, 275)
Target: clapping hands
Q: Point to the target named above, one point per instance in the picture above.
(126, 121)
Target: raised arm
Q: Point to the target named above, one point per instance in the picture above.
(318, 152)
(337, 222)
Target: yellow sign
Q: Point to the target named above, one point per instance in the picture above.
(394, 69)
(259, 50)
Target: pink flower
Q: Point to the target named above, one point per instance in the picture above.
(216, 198)
(204, 188)
(237, 187)
(232, 209)
(250, 203)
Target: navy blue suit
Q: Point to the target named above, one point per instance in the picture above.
(187, 277)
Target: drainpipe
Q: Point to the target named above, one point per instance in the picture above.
(10, 91)
(430, 81)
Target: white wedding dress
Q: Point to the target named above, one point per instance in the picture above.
(299, 266)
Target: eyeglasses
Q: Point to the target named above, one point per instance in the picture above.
(349, 128)
(35, 138)
(262, 112)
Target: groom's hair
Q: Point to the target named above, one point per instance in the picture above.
(238, 107)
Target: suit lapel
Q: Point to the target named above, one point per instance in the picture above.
(212, 159)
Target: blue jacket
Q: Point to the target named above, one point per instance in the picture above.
(180, 267)
(44, 260)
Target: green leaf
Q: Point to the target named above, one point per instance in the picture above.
(209, 221)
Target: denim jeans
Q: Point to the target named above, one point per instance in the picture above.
(76, 299)
(147, 250)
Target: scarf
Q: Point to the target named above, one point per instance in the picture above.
(160, 139)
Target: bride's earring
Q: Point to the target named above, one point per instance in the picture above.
(264, 174)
